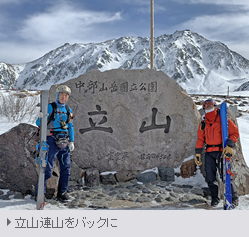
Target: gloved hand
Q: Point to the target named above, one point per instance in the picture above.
(71, 146)
(228, 152)
(198, 159)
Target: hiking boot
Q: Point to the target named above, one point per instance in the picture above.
(63, 196)
(215, 202)
(235, 203)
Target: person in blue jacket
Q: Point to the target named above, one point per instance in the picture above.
(60, 140)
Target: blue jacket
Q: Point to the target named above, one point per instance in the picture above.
(56, 123)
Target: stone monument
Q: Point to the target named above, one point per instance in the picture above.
(130, 120)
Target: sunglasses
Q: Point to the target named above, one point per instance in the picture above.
(208, 103)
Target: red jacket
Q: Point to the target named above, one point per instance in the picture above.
(212, 134)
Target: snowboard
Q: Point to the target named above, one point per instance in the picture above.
(43, 149)
(226, 162)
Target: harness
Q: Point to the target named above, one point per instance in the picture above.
(219, 145)
(61, 137)
(55, 110)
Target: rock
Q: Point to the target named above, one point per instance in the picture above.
(130, 120)
(18, 195)
(174, 195)
(162, 196)
(234, 109)
(101, 195)
(166, 173)
(52, 183)
(5, 197)
(98, 204)
(18, 171)
(240, 168)
(108, 178)
(187, 186)
(143, 199)
(186, 190)
(92, 177)
(132, 199)
(10, 193)
(76, 173)
(184, 199)
(147, 177)
(196, 201)
(123, 190)
(197, 191)
(122, 196)
(171, 199)
(140, 186)
(107, 187)
(178, 190)
(151, 187)
(162, 184)
(158, 199)
(187, 197)
(192, 199)
(130, 187)
(188, 168)
(113, 193)
(86, 188)
(73, 204)
(125, 175)
(136, 190)
(146, 190)
(176, 185)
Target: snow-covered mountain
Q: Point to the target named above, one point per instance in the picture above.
(197, 64)
(243, 87)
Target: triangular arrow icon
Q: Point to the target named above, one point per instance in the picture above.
(8, 221)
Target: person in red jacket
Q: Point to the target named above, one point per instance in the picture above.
(210, 133)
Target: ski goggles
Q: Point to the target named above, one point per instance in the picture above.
(208, 103)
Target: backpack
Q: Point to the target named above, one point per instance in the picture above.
(52, 115)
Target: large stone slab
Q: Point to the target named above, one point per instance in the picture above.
(18, 170)
(131, 120)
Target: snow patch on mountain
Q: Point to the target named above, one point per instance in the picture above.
(197, 64)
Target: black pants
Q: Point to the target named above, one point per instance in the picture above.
(212, 163)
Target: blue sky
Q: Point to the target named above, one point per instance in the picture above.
(31, 28)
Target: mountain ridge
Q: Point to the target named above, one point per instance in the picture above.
(197, 64)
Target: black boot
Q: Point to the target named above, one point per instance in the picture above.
(215, 202)
(63, 197)
(235, 203)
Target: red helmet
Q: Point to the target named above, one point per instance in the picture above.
(208, 102)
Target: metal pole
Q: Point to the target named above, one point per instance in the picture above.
(152, 36)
